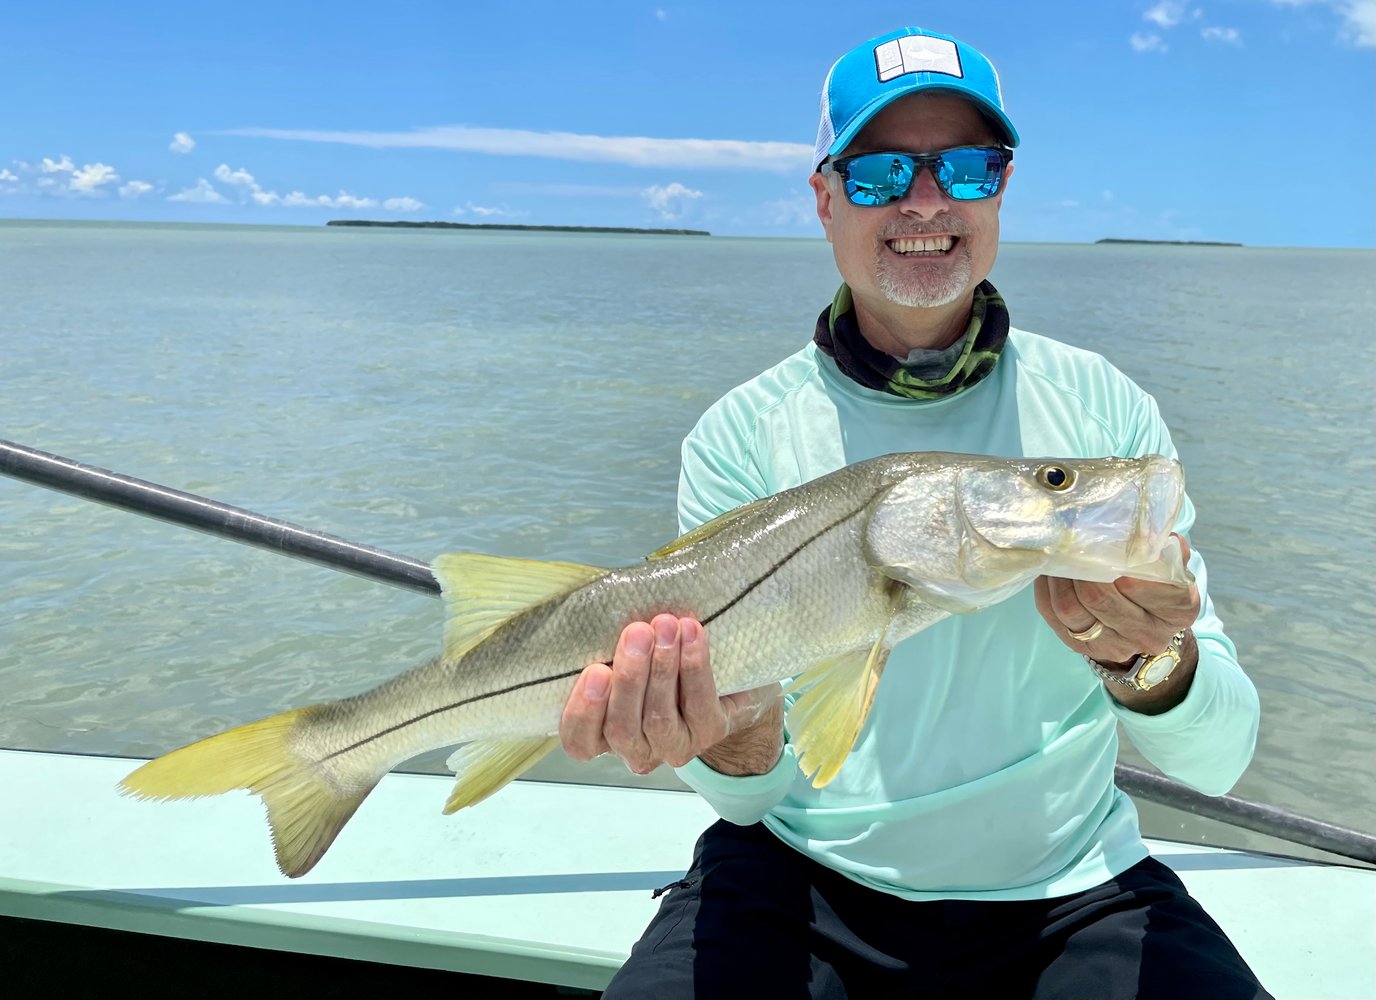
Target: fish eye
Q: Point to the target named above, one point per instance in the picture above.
(1056, 477)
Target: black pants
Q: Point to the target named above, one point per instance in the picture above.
(754, 918)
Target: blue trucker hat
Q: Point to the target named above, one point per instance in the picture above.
(871, 76)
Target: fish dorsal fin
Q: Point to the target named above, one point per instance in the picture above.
(481, 592)
(707, 530)
(824, 721)
(486, 766)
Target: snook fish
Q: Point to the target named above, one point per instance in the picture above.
(816, 584)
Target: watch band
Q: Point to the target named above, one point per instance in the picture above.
(1145, 672)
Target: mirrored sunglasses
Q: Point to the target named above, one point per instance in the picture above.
(966, 173)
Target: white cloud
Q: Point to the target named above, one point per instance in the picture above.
(63, 177)
(1358, 18)
(5, 175)
(92, 177)
(182, 143)
(670, 200)
(636, 151)
(1229, 36)
(488, 211)
(565, 190)
(1166, 14)
(661, 14)
(248, 185)
(250, 189)
(346, 200)
(202, 193)
(1146, 43)
(799, 210)
(235, 178)
(134, 189)
(403, 205)
(297, 199)
(1359, 25)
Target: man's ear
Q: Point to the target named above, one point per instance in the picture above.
(1007, 176)
(822, 189)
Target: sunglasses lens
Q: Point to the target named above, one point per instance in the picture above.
(970, 174)
(879, 178)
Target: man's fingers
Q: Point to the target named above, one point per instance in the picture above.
(697, 690)
(585, 713)
(626, 704)
(662, 722)
(1064, 604)
(1085, 609)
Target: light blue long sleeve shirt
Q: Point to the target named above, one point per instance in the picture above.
(985, 769)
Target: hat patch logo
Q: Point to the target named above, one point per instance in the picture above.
(916, 54)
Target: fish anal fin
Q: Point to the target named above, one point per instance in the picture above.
(305, 810)
(825, 720)
(481, 592)
(707, 530)
(486, 766)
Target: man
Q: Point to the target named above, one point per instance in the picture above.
(973, 844)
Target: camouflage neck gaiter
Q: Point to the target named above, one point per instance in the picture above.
(838, 334)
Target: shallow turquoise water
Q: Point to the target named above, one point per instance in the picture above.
(525, 394)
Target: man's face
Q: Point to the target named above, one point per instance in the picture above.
(874, 249)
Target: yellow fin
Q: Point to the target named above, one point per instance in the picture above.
(305, 811)
(706, 530)
(481, 592)
(485, 767)
(824, 722)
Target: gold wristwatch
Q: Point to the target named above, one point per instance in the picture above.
(1145, 672)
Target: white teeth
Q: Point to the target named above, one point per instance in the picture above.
(923, 244)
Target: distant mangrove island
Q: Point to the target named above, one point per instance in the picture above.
(514, 226)
(1175, 243)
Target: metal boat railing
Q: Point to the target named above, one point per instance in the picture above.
(237, 524)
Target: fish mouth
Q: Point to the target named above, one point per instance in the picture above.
(1117, 523)
(1128, 534)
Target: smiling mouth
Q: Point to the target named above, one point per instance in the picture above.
(922, 246)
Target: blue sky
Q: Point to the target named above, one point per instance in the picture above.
(1160, 120)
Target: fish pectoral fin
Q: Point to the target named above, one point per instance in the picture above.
(703, 531)
(481, 592)
(486, 766)
(825, 720)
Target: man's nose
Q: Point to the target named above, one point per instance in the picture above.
(924, 198)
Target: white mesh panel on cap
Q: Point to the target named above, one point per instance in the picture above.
(826, 131)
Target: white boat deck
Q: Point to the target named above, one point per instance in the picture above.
(543, 882)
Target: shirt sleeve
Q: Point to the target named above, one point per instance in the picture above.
(718, 475)
(1208, 739)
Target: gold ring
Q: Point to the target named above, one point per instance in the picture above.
(1089, 634)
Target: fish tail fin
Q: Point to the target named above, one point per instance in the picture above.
(306, 809)
(486, 766)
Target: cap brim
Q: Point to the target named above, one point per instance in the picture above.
(995, 117)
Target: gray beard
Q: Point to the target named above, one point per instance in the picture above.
(907, 289)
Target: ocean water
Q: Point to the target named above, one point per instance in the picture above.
(525, 394)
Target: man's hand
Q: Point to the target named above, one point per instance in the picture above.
(1137, 617)
(657, 703)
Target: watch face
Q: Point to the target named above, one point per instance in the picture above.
(1158, 670)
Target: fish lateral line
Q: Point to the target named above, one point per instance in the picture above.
(446, 708)
(780, 564)
(706, 620)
